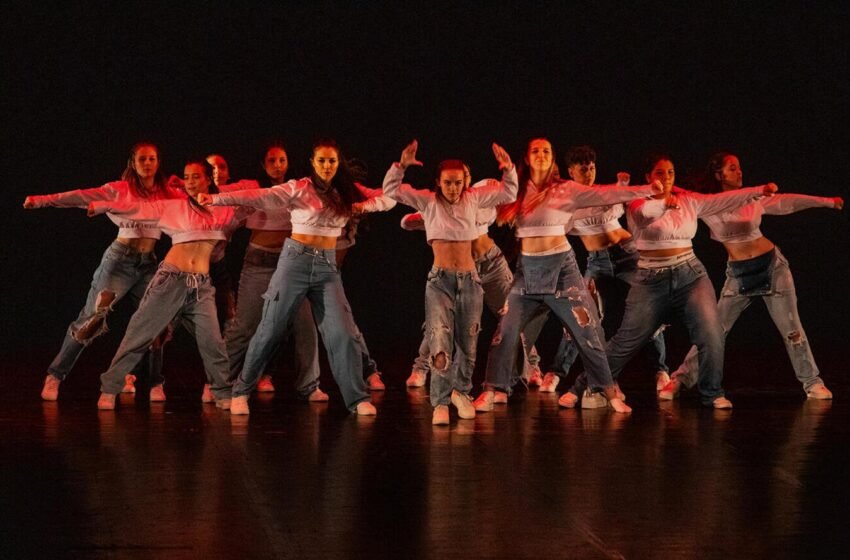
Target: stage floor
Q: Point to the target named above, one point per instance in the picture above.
(296, 480)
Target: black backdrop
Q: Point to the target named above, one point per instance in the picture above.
(83, 82)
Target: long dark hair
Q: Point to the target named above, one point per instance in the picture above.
(507, 213)
(342, 192)
(708, 182)
(265, 180)
(132, 176)
(213, 189)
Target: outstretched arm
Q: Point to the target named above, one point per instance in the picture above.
(79, 198)
(711, 204)
(782, 204)
(276, 197)
(577, 195)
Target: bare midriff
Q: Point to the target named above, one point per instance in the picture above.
(540, 244)
(453, 255)
(270, 239)
(600, 241)
(192, 256)
(749, 249)
(140, 244)
(481, 245)
(315, 241)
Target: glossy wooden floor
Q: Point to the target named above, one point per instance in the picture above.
(294, 480)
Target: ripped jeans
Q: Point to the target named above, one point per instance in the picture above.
(453, 304)
(781, 303)
(307, 273)
(553, 282)
(123, 271)
(173, 295)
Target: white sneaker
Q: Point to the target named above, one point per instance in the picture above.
(671, 390)
(207, 395)
(157, 393)
(440, 416)
(535, 378)
(721, 403)
(417, 379)
(365, 408)
(662, 378)
(239, 405)
(375, 383)
(593, 400)
(550, 382)
(500, 398)
(223, 404)
(50, 391)
(106, 401)
(463, 404)
(568, 400)
(484, 402)
(265, 385)
(318, 396)
(129, 383)
(818, 391)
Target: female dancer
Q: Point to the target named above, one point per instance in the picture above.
(671, 279)
(756, 269)
(611, 254)
(320, 205)
(547, 274)
(269, 229)
(453, 293)
(181, 287)
(126, 267)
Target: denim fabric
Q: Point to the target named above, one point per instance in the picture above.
(124, 272)
(685, 290)
(550, 282)
(496, 279)
(305, 272)
(781, 303)
(173, 294)
(453, 305)
(257, 271)
(617, 262)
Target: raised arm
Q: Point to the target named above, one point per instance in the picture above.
(781, 204)
(79, 198)
(404, 193)
(493, 194)
(711, 204)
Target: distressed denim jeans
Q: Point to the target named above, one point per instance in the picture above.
(781, 303)
(453, 305)
(188, 298)
(307, 273)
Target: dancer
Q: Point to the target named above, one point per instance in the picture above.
(181, 288)
(320, 206)
(269, 229)
(671, 279)
(756, 269)
(126, 268)
(611, 254)
(547, 274)
(453, 293)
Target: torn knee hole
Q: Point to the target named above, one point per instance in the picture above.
(582, 316)
(440, 361)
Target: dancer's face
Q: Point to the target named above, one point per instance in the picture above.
(452, 183)
(146, 162)
(539, 155)
(584, 173)
(731, 176)
(325, 162)
(664, 172)
(195, 180)
(276, 164)
(221, 173)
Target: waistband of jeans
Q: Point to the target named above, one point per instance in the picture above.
(329, 254)
(169, 268)
(127, 251)
(674, 261)
(451, 272)
(492, 253)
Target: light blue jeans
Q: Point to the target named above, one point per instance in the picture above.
(618, 262)
(123, 271)
(496, 279)
(309, 273)
(548, 282)
(686, 291)
(172, 294)
(257, 271)
(453, 305)
(781, 303)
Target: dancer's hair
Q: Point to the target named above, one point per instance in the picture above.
(342, 191)
(132, 176)
(507, 213)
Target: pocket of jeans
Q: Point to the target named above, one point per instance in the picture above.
(432, 275)
(697, 267)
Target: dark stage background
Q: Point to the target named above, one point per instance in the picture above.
(83, 82)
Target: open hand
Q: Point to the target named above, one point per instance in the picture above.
(408, 155)
(502, 157)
